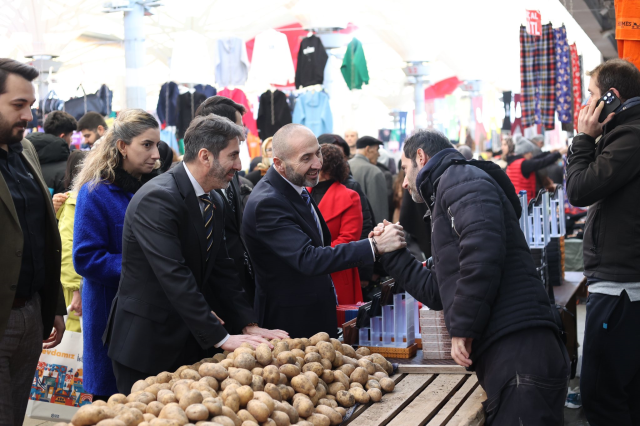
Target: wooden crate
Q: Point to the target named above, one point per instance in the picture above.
(387, 352)
(452, 397)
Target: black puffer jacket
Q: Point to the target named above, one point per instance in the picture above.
(53, 153)
(483, 275)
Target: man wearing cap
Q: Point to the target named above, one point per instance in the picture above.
(521, 166)
(370, 177)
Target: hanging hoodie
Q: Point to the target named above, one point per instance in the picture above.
(313, 110)
(238, 96)
(273, 113)
(206, 90)
(354, 66)
(312, 58)
(167, 108)
(186, 110)
(231, 62)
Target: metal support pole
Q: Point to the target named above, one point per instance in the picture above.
(134, 55)
(421, 113)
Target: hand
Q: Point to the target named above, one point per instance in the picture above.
(254, 330)
(391, 239)
(461, 350)
(235, 341)
(562, 150)
(377, 231)
(56, 335)
(219, 319)
(76, 303)
(58, 200)
(588, 119)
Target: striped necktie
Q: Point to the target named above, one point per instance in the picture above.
(307, 198)
(208, 221)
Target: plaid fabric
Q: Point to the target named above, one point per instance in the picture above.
(564, 78)
(538, 77)
(577, 84)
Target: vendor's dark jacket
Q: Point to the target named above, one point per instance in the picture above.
(606, 177)
(53, 153)
(483, 275)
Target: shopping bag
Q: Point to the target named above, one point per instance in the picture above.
(57, 391)
(78, 107)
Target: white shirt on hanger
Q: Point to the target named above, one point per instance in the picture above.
(271, 62)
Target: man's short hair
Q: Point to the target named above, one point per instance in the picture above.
(90, 121)
(221, 106)
(430, 141)
(210, 132)
(10, 66)
(335, 140)
(59, 122)
(620, 74)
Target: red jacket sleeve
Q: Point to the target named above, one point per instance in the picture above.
(351, 220)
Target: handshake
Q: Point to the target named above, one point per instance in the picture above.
(387, 237)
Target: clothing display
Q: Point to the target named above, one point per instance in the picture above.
(563, 75)
(506, 99)
(271, 62)
(576, 72)
(206, 90)
(188, 103)
(167, 108)
(537, 75)
(273, 113)
(627, 35)
(354, 66)
(313, 110)
(239, 96)
(312, 59)
(231, 62)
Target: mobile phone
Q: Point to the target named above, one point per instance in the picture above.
(611, 103)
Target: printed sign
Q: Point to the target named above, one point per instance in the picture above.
(534, 22)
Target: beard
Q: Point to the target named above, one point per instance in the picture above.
(413, 189)
(218, 174)
(299, 179)
(8, 134)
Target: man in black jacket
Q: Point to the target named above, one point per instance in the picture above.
(52, 147)
(484, 278)
(603, 174)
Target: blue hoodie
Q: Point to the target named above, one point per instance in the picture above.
(312, 110)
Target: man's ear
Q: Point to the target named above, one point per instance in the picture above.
(278, 164)
(615, 91)
(421, 158)
(100, 130)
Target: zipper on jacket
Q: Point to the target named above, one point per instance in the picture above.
(453, 224)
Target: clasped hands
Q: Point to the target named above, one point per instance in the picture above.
(253, 335)
(388, 237)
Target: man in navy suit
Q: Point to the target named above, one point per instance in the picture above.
(290, 243)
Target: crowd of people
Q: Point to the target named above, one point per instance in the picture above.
(168, 260)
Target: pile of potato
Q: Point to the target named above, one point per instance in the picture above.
(309, 382)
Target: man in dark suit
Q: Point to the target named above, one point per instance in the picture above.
(175, 269)
(290, 243)
(225, 107)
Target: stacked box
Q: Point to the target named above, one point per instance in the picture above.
(436, 342)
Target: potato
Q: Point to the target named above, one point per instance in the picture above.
(246, 416)
(244, 423)
(227, 412)
(228, 382)
(258, 410)
(273, 391)
(263, 354)
(271, 374)
(312, 357)
(359, 375)
(148, 417)
(143, 397)
(319, 420)
(326, 364)
(338, 361)
(163, 422)
(336, 387)
(223, 421)
(327, 351)
(107, 422)
(99, 403)
(245, 348)
(280, 347)
(189, 398)
(387, 384)
(283, 380)
(232, 400)
(246, 394)
(211, 382)
(154, 408)
(331, 397)
(139, 405)
(89, 415)
(245, 360)
(197, 412)
(348, 350)
(345, 399)
(269, 422)
(289, 370)
(311, 349)
(339, 376)
(321, 392)
(316, 367)
(214, 406)
(347, 369)
(166, 396)
(367, 365)
(375, 394)
(319, 337)
(190, 374)
(286, 392)
(154, 389)
(226, 363)
(280, 418)
(302, 384)
(257, 383)
(286, 357)
(379, 375)
(288, 409)
(363, 351)
(330, 413)
(327, 376)
(360, 395)
(328, 402)
(304, 407)
(117, 398)
(131, 417)
(348, 360)
(355, 385)
(304, 423)
(242, 376)
(341, 410)
(140, 385)
(371, 384)
(298, 353)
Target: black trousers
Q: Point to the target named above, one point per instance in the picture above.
(610, 377)
(526, 376)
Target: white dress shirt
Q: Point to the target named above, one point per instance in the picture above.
(199, 191)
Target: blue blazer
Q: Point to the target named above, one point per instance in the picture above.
(292, 262)
(97, 257)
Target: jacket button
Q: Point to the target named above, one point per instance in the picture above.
(19, 253)
(13, 287)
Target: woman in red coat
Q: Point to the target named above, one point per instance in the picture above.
(341, 209)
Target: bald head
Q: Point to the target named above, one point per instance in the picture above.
(297, 155)
(288, 139)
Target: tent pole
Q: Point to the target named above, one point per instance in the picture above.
(134, 55)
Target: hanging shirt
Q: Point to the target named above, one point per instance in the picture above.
(273, 113)
(231, 62)
(272, 63)
(167, 108)
(238, 96)
(313, 110)
(187, 105)
(354, 66)
(312, 58)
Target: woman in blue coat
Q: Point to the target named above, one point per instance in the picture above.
(114, 170)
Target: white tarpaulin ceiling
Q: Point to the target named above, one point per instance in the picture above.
(472, 39)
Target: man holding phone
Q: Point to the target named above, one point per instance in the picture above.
(604, 174)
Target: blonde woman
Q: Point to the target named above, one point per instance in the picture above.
(113, 171)
(267, 161)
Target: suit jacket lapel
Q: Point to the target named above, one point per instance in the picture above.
(32, 164)
(5, 196)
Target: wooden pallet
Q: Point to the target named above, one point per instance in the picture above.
(432, 399)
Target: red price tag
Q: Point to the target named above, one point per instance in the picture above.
(534, 22)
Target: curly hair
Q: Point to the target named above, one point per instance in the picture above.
(334, 163)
